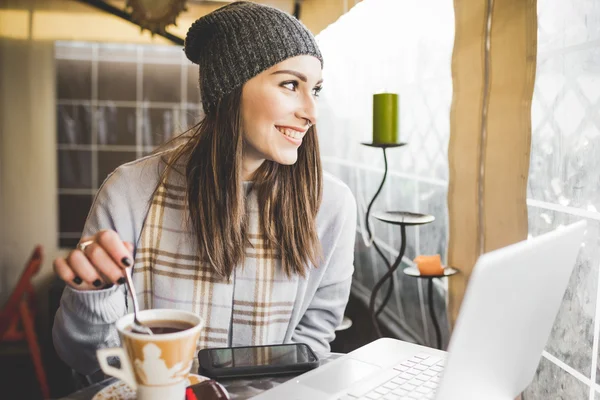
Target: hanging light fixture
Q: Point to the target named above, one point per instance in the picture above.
(155, 15)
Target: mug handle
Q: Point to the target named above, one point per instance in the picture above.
(125, 373)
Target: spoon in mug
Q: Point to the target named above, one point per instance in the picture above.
(137, 327)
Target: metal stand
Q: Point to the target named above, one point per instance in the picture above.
(414, 272)
(393, 267)
(401, 218)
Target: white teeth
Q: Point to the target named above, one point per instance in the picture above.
(290, 132)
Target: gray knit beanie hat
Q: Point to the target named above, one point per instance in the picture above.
(237, 42)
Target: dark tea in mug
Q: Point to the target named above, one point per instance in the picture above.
(163, 326)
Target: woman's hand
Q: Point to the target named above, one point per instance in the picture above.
(101, 263)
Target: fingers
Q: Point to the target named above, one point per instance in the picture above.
(104, 265)
(77, 271)
(100, 263)
(86, 239)
(64, 272)
(112, 244)
(129, 247)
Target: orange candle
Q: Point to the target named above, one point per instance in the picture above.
(430, 265)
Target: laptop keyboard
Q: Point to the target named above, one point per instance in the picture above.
(415, 378)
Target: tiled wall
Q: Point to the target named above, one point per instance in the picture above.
(564, 186)
(415, 64)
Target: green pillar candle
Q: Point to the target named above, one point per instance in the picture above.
(385, 118)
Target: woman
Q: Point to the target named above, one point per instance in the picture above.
(238, 224)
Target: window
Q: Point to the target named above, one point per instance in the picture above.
(115, 103)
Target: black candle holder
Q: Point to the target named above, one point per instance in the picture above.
(448, 271)
(401, 218)
(384, 145)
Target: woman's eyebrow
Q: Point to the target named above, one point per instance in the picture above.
(297, 74)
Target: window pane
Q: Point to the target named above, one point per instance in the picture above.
(418, 67)
(76, 50)
(159, 125)
(117, 52)
(193, 87)
(74, 79)
(67, 242)
(163, 55)
(74, 124)
(162, 83)
(108, 161)
(74, 169)
(116, 125)
(117, 81)
(73, 209)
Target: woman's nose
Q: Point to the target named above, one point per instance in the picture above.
(308, 111)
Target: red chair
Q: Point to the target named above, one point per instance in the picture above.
(17, 318)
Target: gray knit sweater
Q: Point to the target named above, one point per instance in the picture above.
(85, 319)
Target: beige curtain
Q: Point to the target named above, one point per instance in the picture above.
(493, 68)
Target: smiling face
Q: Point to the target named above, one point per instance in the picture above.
(278, 107)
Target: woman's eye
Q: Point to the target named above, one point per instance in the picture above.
(293, 86)
(290, 85)
(317, 90)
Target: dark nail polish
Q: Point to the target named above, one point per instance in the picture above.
(77, 280)
(121, 280)
(97, 283)
(126, 261)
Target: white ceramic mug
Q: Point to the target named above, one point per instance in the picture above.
(156, 366)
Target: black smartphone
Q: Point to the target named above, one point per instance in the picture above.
(235, 362)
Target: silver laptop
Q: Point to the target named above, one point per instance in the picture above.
(512, 299)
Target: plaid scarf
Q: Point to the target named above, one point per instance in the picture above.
(254, 308)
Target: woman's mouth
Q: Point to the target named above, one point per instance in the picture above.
(292, 135)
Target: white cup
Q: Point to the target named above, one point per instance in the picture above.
(156, 366)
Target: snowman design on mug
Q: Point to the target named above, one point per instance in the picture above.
(154, 371)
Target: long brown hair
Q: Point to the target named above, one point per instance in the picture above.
(288, 196)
